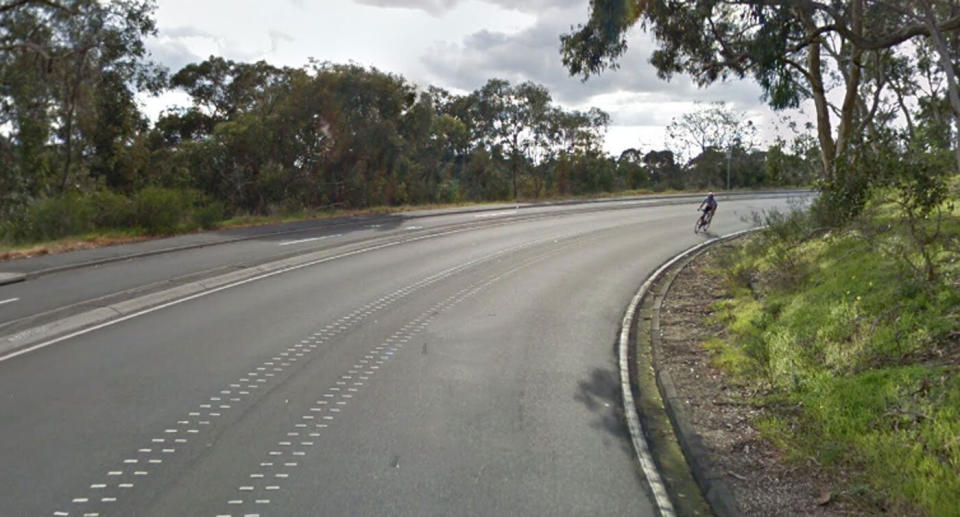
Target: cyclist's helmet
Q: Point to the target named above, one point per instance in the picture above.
(710, 194)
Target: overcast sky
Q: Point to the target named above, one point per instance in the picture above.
(454, 44)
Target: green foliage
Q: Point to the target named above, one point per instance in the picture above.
(152, 211)
(57, 217)
(158, 210)
(265, 140)
(112, 210)
(866, 356)
(209, 214)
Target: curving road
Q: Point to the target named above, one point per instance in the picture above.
(471, 373)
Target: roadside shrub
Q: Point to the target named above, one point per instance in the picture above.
(58, 217)
(209, 214)
(159, 210)
(111, 210)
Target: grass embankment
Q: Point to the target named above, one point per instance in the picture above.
(850, 337)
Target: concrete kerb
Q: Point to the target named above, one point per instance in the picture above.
(11, 278)
(661, 199)
(715, 490)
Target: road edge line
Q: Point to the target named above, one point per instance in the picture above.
(640, 444)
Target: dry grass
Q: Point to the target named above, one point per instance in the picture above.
(68, 244)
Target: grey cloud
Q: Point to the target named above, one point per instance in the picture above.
(438, 7)
(434, 7)
(535, 6)
(169, 47)
(186, 32)
(171, 53)
(533, 54)
(276, 37)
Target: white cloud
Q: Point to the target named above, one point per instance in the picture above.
(455, 44)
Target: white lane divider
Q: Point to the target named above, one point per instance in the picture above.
(311, 239)
(11, 300)
(257, 378)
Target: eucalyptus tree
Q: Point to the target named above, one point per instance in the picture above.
(70, 70)
(504, 117)
(99, 51)
(25, 102)
(782, 44)
(711, 126)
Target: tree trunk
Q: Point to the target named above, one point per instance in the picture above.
(824, 131)
(847, 111)
(953, 91)
(73, 100)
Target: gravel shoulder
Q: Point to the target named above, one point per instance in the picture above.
(724, 414)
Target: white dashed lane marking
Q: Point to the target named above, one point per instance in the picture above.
(394, 343)
(9, 300)
(260, 376)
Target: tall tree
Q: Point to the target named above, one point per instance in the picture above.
(61, 62)
(711, 126)
(778, 42)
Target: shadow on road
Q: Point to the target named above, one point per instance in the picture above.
(340, 225)
(601, 394)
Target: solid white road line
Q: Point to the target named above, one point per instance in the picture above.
(311, 239)
(495, 214)
(11, 300)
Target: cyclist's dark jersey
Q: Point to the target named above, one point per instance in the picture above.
(710, 203)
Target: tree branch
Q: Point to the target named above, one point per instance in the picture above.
(20, 3)
(26, 46)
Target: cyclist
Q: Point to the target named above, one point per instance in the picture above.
(709, 207)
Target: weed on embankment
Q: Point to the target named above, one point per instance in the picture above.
(851, 337)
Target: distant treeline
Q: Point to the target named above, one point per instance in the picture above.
(77, 153)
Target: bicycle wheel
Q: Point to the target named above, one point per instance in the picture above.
(706, 224)
(698, 225)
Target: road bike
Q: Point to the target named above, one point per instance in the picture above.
(703, 222)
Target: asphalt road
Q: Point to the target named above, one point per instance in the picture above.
(470, 373)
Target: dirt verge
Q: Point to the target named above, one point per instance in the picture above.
(724, 414)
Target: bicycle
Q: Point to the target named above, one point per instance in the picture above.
(703, 222)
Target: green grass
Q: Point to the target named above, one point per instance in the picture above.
(857, 351)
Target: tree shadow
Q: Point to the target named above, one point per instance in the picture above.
(328, 226)
(601, 395)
